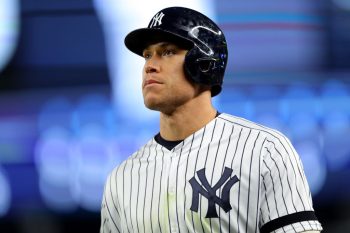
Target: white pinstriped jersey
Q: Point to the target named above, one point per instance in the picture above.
(230, 176)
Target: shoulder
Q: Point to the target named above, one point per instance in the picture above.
(135, 157)
(270, 134)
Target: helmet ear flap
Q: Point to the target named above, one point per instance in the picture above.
(206, 64)
(190, 66)
(199, 67)
(202, 68)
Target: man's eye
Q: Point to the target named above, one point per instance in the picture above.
(147, 55)
(168, 52)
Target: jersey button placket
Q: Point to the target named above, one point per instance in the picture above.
(172, 175)
(172, 192)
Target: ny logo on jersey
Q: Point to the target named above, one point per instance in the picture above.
(210, 192)
(157, 20)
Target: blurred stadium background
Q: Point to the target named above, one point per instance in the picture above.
(71, 109)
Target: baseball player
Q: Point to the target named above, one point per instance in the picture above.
(204, 171)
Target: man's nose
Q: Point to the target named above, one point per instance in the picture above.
(150, 69)
(152, 65)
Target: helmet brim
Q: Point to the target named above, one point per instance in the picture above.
(137, 40)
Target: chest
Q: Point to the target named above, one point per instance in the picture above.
(191, 189)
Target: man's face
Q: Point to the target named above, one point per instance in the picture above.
(165, 86)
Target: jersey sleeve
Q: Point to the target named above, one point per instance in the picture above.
(286, 203)
(110, 218)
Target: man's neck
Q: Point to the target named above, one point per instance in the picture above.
(186, 119)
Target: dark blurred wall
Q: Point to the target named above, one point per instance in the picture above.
(289, 68)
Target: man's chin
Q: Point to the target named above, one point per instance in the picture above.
(159, 107)
(152, 105)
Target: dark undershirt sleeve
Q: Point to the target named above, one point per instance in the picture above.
(287, 220)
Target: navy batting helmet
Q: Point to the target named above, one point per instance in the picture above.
(206, 59)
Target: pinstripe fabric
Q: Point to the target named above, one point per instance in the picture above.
(151, 190)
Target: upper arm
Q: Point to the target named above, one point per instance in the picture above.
(104, 227)
(286, 198)
(110, 218)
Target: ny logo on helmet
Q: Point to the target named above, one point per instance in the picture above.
(209, 192)
(157, 20)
